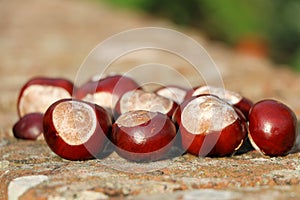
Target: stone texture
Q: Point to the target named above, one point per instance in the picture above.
(52, 38)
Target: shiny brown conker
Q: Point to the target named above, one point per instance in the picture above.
(40, 92)
(233, 98)
(29, 127)
(106, 91)
(76, 130)
(209, 126)
(141, 135)
(173, 92)
(142, 100)
(272, 127)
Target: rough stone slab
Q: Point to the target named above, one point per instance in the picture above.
(71, 179)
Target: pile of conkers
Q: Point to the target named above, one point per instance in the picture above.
(115, 111)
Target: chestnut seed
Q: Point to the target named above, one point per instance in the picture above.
(141, 100)
(233, 98)
(76, 130)
(143, 135)
(272, 127)
(246, 145)
(40, 92)
(106, 91)
(173, 92)
(29, 127)
(209, 126)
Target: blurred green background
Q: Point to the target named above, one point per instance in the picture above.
(266, 27)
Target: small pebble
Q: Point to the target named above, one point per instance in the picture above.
(20, 185)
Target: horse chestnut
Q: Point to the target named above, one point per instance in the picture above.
(76, 130)
(272, 127)
(233, 98)
(142, 100)
(40, 92)
(106, 91)
(209, 126)
(29, 127)
(173, 92)
(143, 135)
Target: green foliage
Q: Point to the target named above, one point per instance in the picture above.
(274, 21)
(236, 19)
(125, 3)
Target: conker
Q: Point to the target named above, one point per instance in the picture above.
(29, 127)
(106, 91)
(76, 130)
(141, 135)
(142, 100)
(40, 92)
(173, 92)
(272, 127)
(209, 126)
(233, 98)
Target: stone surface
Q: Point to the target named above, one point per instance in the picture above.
(52, 38)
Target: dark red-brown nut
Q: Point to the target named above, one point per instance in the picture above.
(76, 130)
(233, 98)
(141, 100)
(40, 92)
(29, 127)
(106, 92)
(272, 127)
(173, 92)
(246, 146)
(209, 126)
(143, 135)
